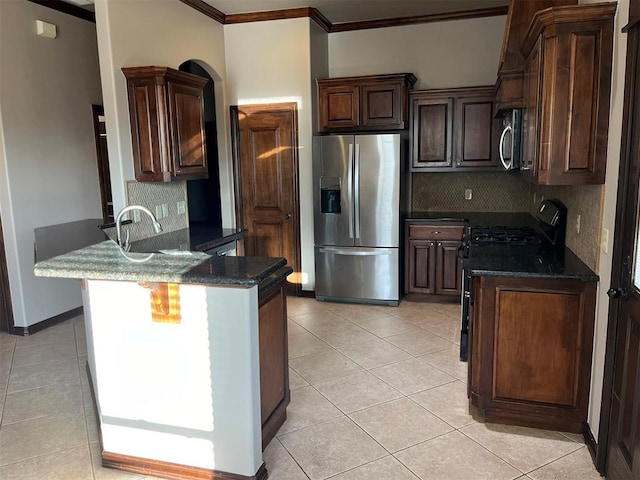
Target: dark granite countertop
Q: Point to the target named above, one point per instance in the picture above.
(106, 261)
(205, 237)
(197, 238)
(54, 240)
(479, 219)
(275, 278)
(527, 261)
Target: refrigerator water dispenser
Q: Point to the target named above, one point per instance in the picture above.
(330, 195)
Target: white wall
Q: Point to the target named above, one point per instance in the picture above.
(48, 169)
(167, 33)
(458, 53)
(608, 211)
(270, 62)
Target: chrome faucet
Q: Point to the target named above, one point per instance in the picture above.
(156, 225)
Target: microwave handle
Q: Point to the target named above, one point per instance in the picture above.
(506, 165)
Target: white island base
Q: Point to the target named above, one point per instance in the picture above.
(177, 396)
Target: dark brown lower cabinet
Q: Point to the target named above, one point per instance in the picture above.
(274, 359)
(432, 264)
(530, 351)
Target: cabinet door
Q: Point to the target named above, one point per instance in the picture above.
(475, 131)
(531, 112)
(339, 107)
(150, 154)
(421, 264)
(274, 370)
(448, 268)
(382, 106)
(531, 348)
(432, 129)
(186, 113)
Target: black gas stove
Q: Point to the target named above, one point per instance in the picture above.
(504, 235)
(548, 234)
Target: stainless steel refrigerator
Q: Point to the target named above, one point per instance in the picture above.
(357, 183)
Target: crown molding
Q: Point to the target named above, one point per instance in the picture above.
(67, 8)
(317, 16)
(303, 12)
(416, 19)
(206, 9)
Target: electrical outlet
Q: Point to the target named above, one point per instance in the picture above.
(181, 207)
(468, 194)
(158, 212)
(165, 210)
(136, 216)
(578, 224)
(605, 240)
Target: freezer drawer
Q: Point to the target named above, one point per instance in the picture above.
(358, 274)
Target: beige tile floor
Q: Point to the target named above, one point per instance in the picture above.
(377, 392)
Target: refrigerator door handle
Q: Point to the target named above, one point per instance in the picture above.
(350, 189)
(357, 251)
(356, 187)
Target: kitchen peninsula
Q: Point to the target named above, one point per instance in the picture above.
(187, 355)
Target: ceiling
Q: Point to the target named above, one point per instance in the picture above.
(338, 11)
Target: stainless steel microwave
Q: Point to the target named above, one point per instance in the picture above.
(510, 149)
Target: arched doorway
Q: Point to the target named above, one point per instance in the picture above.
(203, 196)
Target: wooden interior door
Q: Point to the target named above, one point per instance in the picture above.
(102, 155)
(266, 182)
(620, 418)
(6, 312)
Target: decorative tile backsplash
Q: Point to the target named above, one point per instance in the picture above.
(151, 194)
(583, 200)
(508, 192)
(491, 192)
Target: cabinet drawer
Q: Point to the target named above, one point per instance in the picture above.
(436, 232)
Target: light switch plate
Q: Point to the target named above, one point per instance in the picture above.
(158, 212)
(136, 216)
(165, 210)
(181, 207)
(468, 194)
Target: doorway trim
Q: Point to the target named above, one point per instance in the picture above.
(6, 315)
(602, 448)
(292, 288)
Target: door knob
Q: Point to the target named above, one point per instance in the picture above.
(615, 293)
(287, 216)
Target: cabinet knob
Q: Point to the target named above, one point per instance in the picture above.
(439, 244)
(436, 233)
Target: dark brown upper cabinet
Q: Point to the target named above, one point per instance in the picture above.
(509, 87)
(364, 104)
(166, 109)
(453, 128)
(567, 92)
